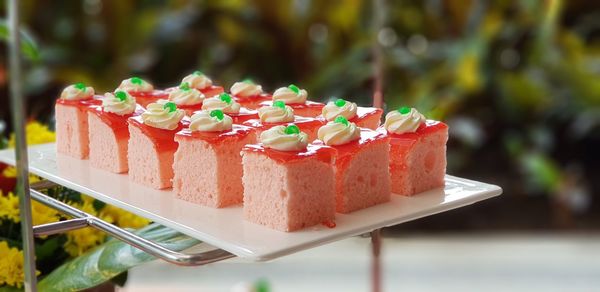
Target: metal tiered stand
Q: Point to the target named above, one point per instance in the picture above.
(223, 229)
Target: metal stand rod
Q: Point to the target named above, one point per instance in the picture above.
(376, 260)
(17, 107)
(128, 237)
(60, 227)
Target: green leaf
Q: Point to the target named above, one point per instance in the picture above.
(110, 260)
(29, 47)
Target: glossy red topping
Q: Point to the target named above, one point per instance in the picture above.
(212, 90)
(428, 127)
(116, 122)
(244, 115)
(302, 123)
(345, 152)
(81, 103)
(321, 152)
(329, 223)
(298, 106)
(164, 140)
(146, 98)
(237, 131)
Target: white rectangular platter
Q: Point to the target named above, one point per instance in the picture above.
(225, 228)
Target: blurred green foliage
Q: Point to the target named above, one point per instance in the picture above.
(516, 80)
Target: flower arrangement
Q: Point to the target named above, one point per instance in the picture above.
(55, 250)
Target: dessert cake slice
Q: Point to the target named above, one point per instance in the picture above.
(143, 92)
(109, 133)
(201, 82)
(229, 106)
(417, 151)
(288, 183)
(152, 145)
(72, 137)
(248, 94)
(208, 165)
(186, 98)
(362, 174)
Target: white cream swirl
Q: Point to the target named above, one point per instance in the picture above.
(198, 80)
(186, 96)
(203, 122)
(277, 138)
(135, 84)
(332, 110)
(399, 123)
(76, 92)
(289, 96)
(158, 115)
(275, 114)
(120, 103)
(245, 89)
(334, 133)
(216, 103)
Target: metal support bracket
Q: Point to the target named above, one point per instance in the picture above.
(82, 219)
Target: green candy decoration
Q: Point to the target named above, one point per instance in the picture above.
(340, 102)
(294, 88)
(279, 104)
(171, 106)
(292, 129)
(136, 80)
(80, 86)
(184, 86)
(341, 120)
(121, 95)
(217, 114)
(198, 73)
(225, 97)
(248, 81)
(404, 110)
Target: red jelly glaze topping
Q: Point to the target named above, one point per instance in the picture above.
(116, 122)
(244, 115)
(237, 131)
(302, 123)
(428, 127)
(345, 152)
(307, 104)
(164, 140)
(329, 223)
(82, 104)
(145, 98)
(252, 98)
(321, 152)
(212, 90)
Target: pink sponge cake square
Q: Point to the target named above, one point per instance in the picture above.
(186, 98)
(417, 151)
(143, 92)
(109, 133)
(229, 106)
(361, 165)
(71, 120)
(201, 82)
(152, 145)
(291, 186)
(281, 114)
(208, 165)
(364, 117)
(248, 94)
(296, 98)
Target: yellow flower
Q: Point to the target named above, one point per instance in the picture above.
(11, 266)
(11, 172)
(36, 133)
(123, 218)
(9, 209)
(81, 240)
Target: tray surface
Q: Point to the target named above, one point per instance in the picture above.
(224, 228)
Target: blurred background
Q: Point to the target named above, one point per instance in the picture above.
(517, 81)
